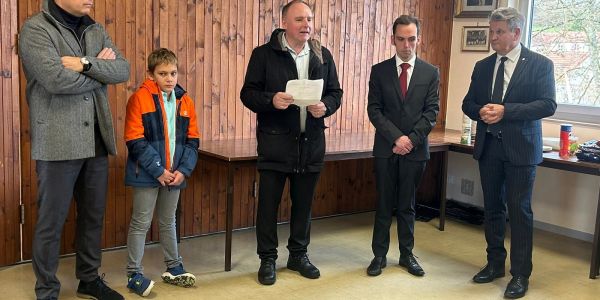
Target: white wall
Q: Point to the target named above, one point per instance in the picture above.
(561, 199)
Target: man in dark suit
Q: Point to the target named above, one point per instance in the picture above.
(510, 92)
(403, 106)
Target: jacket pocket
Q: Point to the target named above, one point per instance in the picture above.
(275, 145)
(44, 111)
(315, 148)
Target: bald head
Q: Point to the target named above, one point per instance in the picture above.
(286, 7)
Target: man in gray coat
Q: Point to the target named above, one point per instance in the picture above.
(68, 60)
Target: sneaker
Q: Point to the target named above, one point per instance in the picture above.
(140, 284)
(179, 277)
(97, 290)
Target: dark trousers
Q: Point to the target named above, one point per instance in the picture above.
(396, 179)
(507, 186)
(302, 189)
(58, 182)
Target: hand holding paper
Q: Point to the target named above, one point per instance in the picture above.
(305, 92)
(282, 100)
(317, 110)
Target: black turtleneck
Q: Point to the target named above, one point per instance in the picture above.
(65, 18)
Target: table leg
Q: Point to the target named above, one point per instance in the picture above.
(443, 178)
(229, 217)
(595, 265)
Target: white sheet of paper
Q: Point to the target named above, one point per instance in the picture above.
(305, 92)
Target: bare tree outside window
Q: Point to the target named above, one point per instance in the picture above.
(567, 31)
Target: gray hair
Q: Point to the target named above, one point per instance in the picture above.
(513, 18)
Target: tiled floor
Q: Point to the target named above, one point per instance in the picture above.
(341, 248)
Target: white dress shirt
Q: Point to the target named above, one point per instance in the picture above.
(302, 59)
(509, 67)
(411, 62)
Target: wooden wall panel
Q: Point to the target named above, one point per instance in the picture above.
(28, 179)
(9, 136)
(213, 40)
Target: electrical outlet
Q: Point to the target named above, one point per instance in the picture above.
(466, 186)
(451, 180)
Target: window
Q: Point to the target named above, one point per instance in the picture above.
(568, 32)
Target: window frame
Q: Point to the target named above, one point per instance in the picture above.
(564, 112)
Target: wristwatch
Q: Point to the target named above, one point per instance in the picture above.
(86, 64)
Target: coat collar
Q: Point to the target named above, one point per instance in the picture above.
(392, 71)
(57, 19)
(277, 44)
(490, 63)
(524, 59)
(58, 22)
(152, 87)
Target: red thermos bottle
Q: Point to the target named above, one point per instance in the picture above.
(565, 133)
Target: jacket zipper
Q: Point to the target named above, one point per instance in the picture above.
(161, 109)
(177, 110)
(298, 139)
(299, 154)
(71, 30)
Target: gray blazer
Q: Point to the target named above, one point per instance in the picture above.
(62, 102)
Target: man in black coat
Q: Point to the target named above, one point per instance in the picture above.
(510, 92)
(403, 106)
(291, 140)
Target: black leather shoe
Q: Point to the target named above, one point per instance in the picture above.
(378, 263)
(97, 289)
(411, 264)
(488, 274)
(517, 287)
(266, 272)
(304, 266)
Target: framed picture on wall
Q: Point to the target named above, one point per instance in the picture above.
(474, 8)
(476, 38)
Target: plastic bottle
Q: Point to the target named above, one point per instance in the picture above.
(473, 132)
(465, 138)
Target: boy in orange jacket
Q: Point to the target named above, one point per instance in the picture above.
(162, 139)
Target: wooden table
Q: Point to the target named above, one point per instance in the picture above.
(235, 153)
(240, 152)
(553, 161)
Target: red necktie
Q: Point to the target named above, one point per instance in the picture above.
(404, 78)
